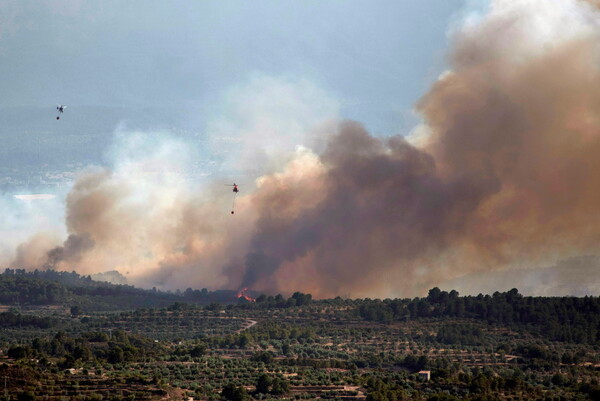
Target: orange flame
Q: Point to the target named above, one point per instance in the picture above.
(241, 294)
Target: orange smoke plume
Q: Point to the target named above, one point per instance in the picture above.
(505, 177)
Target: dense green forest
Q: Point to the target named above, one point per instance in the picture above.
(557, 318)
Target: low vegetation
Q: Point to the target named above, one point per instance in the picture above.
(61, 345)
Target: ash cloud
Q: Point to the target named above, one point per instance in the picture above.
(507, 176)
(382, 209)
(70, 251)
(574, 276)
(504, 179)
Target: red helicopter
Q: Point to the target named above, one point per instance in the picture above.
(235, 191)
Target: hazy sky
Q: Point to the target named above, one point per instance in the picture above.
(375, 57)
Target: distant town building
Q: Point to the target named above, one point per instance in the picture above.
(425, 375)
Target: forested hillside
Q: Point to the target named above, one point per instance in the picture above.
(77, 338)
(557, 318)
(49, 287)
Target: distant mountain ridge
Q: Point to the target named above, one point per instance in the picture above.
(39, 153)
(32, 137)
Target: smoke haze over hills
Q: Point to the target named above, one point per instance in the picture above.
(502, 177)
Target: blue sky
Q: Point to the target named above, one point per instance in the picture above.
(375, 57)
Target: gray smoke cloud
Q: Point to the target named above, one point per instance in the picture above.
(501, 178)
(71, 250)
(381, 209)
(505, 177)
